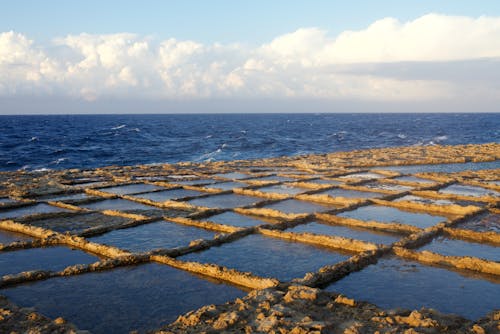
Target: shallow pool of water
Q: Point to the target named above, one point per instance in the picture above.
(397, 283)
(392, 215)
(235, 219)
(364, 176)
(78, 223)
(131, 189)
(162, 196)
(348, 193)
(65, 197)
(346, 232)
(7, 237)
(489, 222)
(117, 204)
(465, 190)
(30, 210)
(47, 258)
(268, 257)
(134, 208)
(233, 175)
(325, 181)
(228, 185)
(197, 182)
(410, 178)
(227, 201)
(455, 247)
(282, 189)
(387, 186)
(446, 168)
(141, 297)
(273, 178)
(161, 234)
(296, 207)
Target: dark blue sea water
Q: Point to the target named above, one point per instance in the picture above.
(84, 141)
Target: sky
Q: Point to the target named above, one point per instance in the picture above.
(249, 56)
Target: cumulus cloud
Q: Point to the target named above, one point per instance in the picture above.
(431, 57)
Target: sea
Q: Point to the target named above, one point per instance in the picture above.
(44, 142)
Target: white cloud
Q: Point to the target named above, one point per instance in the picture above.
(382, 62)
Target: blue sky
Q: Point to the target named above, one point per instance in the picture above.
(225, 21)
(396, 55)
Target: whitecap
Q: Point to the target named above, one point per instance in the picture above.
(440, 138)
(118, 127)
(58, 161)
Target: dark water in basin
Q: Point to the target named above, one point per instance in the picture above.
(392, 215)
(162, 196)
(144, 297)
(131, 189)
(47, 258)
(296, 207)
(393, 283)
(346, 232)
(227, 201)
(161, 234)
(455, 247)
(444, 168)
(269, 257)
(7, 237)
(29, 210)
(235, 219)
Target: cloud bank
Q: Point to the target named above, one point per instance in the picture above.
(432, 57)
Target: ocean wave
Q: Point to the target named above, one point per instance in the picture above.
(440, 138)
(119, 127)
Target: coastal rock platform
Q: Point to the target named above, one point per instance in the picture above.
(389, 240)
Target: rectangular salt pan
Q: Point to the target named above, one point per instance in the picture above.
(29, 210)
(410, 178)
(446, 168)
(348, 193)
(227, 201)
(233, 175)
(78, 223)
(387, 186)
(131, 189)
(65, 197)
(47, 258)
(117, 204)
(465, 190)
(346, 232)
(282, 189)
(235, 219)
(140, 298)
(455, 247)
(7, 237)
(397, 283)
(273, 178)
(157, 235)
(489, 222)
(269, 257)
(364, 176)
(297, 207)
(392, 215)
(162, 196)
(227, 185)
